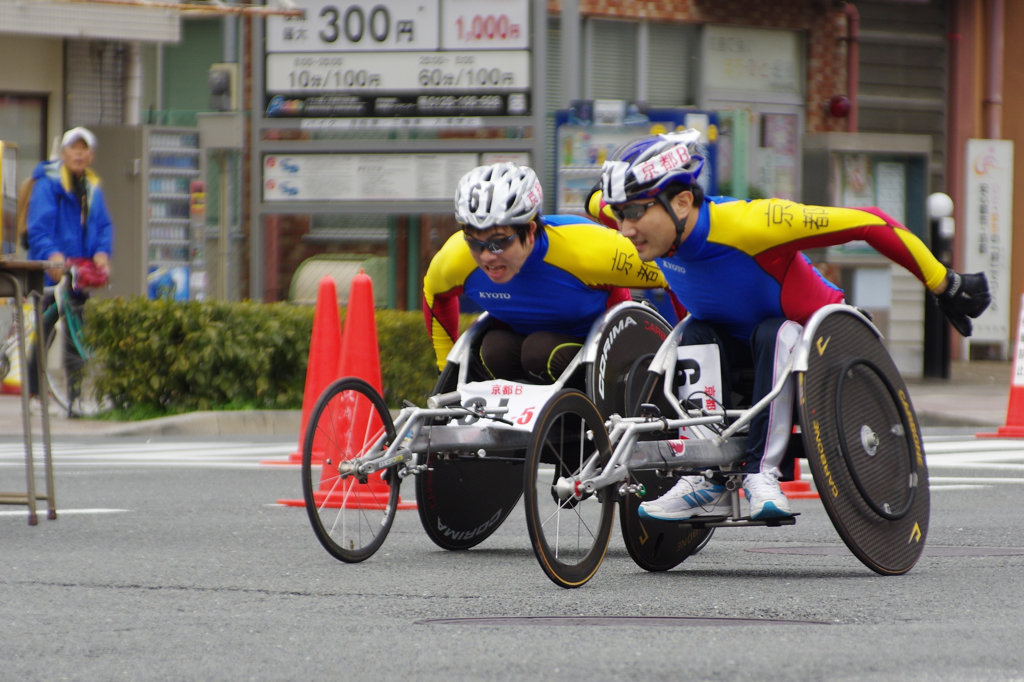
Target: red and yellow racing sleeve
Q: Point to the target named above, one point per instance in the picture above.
(442, 286)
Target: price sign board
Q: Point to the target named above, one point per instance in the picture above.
(330, 26)
(485, 25)
(400, 58)
(397, 72)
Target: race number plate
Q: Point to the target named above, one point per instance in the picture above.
(522, 400)
(699, 384)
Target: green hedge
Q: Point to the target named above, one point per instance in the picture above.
(164, 357)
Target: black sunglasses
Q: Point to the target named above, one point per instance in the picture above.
(632, 211)
(494, 245)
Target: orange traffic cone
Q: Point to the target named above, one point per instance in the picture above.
(798, 489)
(322, 368)
(360, 357)
(1014, 427)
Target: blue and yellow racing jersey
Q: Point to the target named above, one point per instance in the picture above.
(742, 263)
(575, 271)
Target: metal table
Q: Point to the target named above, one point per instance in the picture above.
(18, 278)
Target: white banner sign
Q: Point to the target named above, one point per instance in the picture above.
(988, 240)
(752, 59)
(363, 177)
(396, 72)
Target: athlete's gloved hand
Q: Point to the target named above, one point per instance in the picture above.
(966, 296)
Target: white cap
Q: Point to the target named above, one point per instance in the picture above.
(75, 134)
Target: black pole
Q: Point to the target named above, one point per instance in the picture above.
(936, 326)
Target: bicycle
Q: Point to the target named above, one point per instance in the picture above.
(71, 373)
(9, 334)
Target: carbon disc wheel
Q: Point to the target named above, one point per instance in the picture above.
(629, 333)
(461, 500)
(657, 545)
(863, 445)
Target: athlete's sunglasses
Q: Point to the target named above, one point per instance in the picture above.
(494, 244)
(632, 212)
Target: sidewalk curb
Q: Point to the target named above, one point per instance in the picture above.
(219, 423)
(929, 418)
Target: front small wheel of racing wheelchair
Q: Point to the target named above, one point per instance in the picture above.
(351, 515)
(569, 528)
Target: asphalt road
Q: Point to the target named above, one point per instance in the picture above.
(171, 561)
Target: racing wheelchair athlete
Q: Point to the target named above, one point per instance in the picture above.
(757, 306)
(558, 314)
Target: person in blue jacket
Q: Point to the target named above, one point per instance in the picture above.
(67, 218)
(67, 214)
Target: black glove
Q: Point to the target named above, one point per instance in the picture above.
(966, 296)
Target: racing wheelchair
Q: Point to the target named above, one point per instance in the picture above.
(579, 454)
(469, 448)
(857, 427)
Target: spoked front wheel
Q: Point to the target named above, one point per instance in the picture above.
(71, 371)
(569, 530)
(350, 515)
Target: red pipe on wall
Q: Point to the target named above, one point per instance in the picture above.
(852, 63)
(994, 96)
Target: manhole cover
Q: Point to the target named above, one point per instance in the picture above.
(841, 550)
(619, 621)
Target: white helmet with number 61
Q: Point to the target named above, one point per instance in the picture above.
(499, 194)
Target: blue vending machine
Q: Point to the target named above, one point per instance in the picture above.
(587, 133)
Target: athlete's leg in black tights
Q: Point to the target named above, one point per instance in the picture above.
(539, 358)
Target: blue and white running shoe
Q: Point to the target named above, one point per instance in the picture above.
(765, 496)
(690, 496)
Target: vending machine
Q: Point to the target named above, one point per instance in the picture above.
(587, 133)
(8, 200)
(147, 173)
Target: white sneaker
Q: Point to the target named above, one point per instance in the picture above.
(690, 496)
(765, 495)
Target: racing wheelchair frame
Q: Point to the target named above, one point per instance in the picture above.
(580, 456)
(857, 424)
(469, 448)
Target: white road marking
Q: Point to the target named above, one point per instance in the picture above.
(163, 454)
(41, 511)
(933, 488)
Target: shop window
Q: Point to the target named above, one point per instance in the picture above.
(23, 122)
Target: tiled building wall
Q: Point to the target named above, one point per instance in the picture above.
(824, 24)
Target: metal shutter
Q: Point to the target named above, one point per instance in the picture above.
(903, 73)
(668, 64)
(613, 62)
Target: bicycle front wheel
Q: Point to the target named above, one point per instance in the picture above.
(351, 517)
(71, 372)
